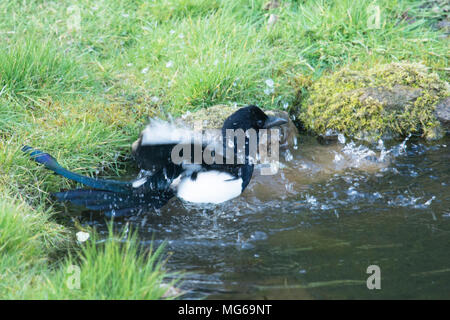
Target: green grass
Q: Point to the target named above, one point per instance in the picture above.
(115, 269)
(111, 270)
(29, 67)
(83, 94)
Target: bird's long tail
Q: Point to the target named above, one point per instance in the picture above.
(113, 198)
(50, 163)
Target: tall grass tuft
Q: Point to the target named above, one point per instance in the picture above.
(31, 68)
(113, 268)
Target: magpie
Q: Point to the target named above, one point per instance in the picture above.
(162, 178)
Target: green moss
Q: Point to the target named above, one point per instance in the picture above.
(210, 118)
(388, 100)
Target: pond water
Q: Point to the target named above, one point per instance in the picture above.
(312, 230)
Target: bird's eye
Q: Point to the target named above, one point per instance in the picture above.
(260, 123)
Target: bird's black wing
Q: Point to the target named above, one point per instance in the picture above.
(163, 145)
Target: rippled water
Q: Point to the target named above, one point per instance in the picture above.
(311, 231)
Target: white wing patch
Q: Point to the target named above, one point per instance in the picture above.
(163, 132)
(209, 187)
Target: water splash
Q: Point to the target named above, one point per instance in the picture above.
(347, 195)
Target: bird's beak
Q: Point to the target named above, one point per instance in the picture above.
(273, 122)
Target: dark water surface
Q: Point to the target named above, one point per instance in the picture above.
(311, 230)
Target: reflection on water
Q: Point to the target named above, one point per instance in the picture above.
(311, 231)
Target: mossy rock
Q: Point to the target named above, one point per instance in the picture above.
(387, 101)
(442, 112)
(210, 118)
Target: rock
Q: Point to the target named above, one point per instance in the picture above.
(386, 101)
(289, 131)
(442, 113)
(329, 137)
(393, 99)
(82, 236)
(210, 118)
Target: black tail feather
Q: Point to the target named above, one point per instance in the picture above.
(83, 194)
(114, 203)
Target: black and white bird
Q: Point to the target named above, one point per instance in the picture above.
(161, 177)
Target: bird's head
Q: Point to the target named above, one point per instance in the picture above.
(251, 117)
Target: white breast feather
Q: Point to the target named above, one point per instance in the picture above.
(209, 187)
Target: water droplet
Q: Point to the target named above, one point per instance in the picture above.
(258, 235)
(268, 91)
(288, 155)
(429, 201)
(269, 83)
